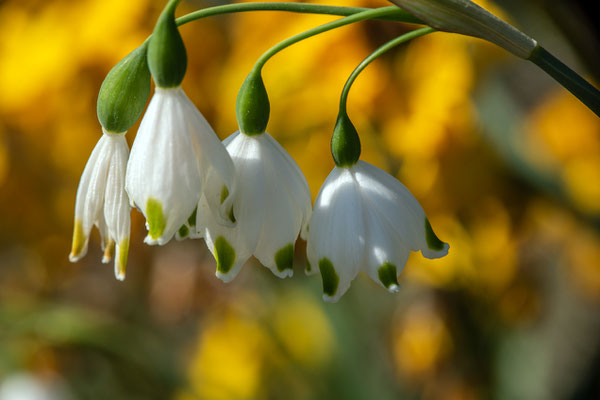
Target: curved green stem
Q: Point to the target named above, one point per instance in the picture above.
(361, 16)
(345, 141)
(569, 79)
(399, 16)
(387, 46)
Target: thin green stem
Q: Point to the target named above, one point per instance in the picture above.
(400, 16)
(382, 49)
(361, 16)
(569, 79)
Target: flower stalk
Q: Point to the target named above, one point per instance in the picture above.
(569, 79)
(345, 142)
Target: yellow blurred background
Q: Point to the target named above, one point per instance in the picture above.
(504, 161)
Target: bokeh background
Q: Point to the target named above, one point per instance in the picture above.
(504, 161)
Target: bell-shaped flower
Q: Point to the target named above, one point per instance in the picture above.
(366, 219)
(271, 205)
(102, 201)
(174, 151)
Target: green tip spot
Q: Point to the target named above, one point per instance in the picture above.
(155, 218)
(433, 242)
(388, 275)
(308, 266)
(184, 231)
(330, 277)
(224, 193)
(192, 219)
(231, 215)
(284, 258)
(225, 255)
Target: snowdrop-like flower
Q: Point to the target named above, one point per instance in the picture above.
(271, 205)
(365, 219)
(102, 201)
(174, 151)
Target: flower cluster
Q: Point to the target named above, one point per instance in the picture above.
(244, 196)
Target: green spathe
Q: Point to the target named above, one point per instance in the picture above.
(330, 278)
(433, 242)
(124, 92)
(225, 255)
(167, 57)
(284, 258)
(252, 106)
(345, 143)
(388, 275)
(155, 218)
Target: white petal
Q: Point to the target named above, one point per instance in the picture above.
(284, 214)
(116, 204)
(213, 160)
(238, 242)
(163, 178)
(336, 234)
(395, 204)
(90, 197)
(294, 182)
(386, 253)
(249, 202)
(226, 244)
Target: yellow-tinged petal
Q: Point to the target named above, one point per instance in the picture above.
(79, 242)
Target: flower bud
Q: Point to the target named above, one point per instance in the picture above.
(167, 58)
(345, 143)
(252, 106)
(124, 92)
(467, 18)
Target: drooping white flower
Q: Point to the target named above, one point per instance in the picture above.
(271, 205)
(174, 151)
(366, 219)
(102, 201)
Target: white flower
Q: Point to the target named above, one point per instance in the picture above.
(173, 152)
(102, 201)
(271, 205)
(366, 219)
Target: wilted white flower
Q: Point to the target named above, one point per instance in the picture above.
(102, 201)
(174, 151)
(366, 219)
(271, 205)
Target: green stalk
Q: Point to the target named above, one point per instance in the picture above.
(381, 50)
(400, 16)
(360, 16)
(252, 105)
(569, 79)
(345, 141)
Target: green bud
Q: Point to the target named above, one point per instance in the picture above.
(167, 58)
(124, 92)
(252, 105)
(345, 143)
